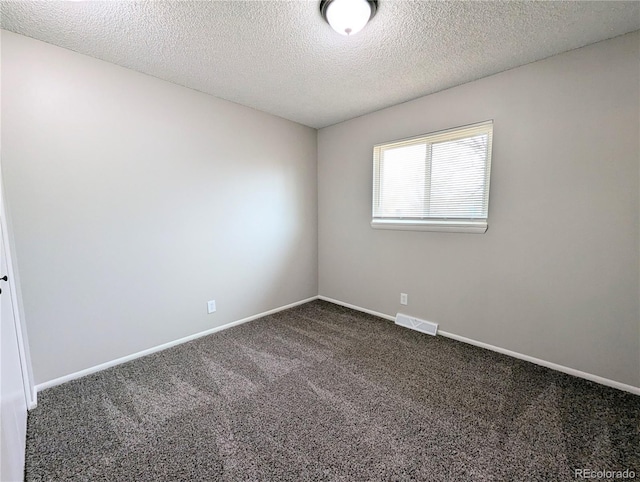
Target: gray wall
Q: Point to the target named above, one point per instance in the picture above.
(556, 275)
(134, 201)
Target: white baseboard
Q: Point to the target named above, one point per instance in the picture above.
(504, 351)
(164, 346)
(537, 361)
(33, 403)
(358, 308)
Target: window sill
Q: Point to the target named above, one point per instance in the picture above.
(472, 227)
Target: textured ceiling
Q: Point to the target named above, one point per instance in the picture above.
(281, 57)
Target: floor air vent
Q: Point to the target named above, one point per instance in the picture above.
(417, 324)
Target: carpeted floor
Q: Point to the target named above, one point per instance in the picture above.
(324, 393)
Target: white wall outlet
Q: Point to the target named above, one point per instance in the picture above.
(211, 306)
(404, 299)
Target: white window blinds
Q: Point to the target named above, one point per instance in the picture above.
(438, 181)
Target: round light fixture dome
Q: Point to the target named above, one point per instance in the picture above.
(348, 17)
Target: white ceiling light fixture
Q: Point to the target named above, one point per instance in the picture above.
(348, 17)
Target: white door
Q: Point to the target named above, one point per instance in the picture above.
(13, 404)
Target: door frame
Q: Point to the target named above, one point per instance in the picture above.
(30, 392)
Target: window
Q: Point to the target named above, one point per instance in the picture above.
(435, 182)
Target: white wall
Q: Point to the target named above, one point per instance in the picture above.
(134, 201)
(556, 275)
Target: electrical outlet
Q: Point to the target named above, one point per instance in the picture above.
(404, 299)
(211, 306)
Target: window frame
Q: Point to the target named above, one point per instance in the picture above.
(458, 225)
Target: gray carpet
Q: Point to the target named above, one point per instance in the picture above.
(321, 392)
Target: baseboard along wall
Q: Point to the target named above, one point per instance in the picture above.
(164, 346)
(554, 366)
(537, 361)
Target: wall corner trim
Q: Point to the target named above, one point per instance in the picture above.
(554, 366)
(164, 346)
